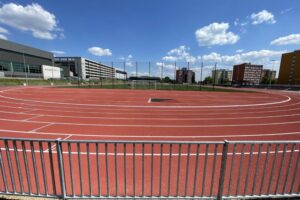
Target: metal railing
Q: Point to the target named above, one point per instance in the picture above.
(149, 169)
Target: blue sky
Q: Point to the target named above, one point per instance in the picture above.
(226, 32)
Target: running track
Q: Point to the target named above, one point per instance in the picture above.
(93, 114)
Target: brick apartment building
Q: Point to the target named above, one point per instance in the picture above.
(185, 76)
(247, 74)
(289, 72)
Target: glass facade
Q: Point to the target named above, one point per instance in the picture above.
(19, 67)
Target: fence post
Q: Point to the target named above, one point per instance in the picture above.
(60, 167)
(223, 169)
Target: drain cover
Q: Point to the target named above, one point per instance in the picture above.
(158, 100)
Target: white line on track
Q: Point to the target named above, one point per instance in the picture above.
(148, 118)
(149, 154)
(155, 136)
(150, 126)
(30, 118)
(34, 130)
(135, 106)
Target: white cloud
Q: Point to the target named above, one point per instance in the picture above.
(286, 10)
(3, 30)
(3, 37)
(3, 33)
(263, 57)
(239, 50)
(128, 60)
(56, 52)
(179, 54)
(263, 16)
(33, 18)
(215, 34)
(289, 39)
(98, 51)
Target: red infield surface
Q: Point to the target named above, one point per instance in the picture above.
(100, 114)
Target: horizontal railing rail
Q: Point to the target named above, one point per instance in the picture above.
(87, 169)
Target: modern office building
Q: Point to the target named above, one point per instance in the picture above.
(267, 75)
(221, 76)
(185, 75)
(247, 74)
(17, 60)
(85, 68)
(289, 72)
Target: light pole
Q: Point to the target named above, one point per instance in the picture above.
(270, 76)
(25, 68)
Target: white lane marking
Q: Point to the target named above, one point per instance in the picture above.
(54, 146)
(154, 154)
(34, 130)
(132, 106)
(160, 110)
(155, 136)
(151, 118)
(150, 99)
(152, 125)
(35, 116)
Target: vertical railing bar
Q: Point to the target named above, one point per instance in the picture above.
(106, 163)
(98, 170)
(160, 171)
(89, 167)
(281, 165)
(125, 174)
(265, 168)
(79, 167)
(34, 168)
(170, 170)
(116, 168)
(213, 169)
(240, 169)
(187, 170)
(204, 170)
(52, 167)
(178, 170)
(231, 169)
(18, 166)
(43, 168)
(3, 172)
(196, 170)
(248, 167)
(26, 167)
(256, 169)
(71, 168)
(143, 168)
(12, 178)
(295, 173)
(223, 169)
(152, 163)
(133, 159)
(61, 168)
(273, 167)
(289, 168)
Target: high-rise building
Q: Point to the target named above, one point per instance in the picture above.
(289, 72)
(185, 75)
(247, 74)
(221, 76)
(267, 75)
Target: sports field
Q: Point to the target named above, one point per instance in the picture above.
(157, 116)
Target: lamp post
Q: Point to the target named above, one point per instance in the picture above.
(25, 68)
(270, 76)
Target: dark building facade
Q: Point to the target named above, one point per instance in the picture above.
(185, 76)
(17, 60)
(267, 75)
(289, 72)
(247, 74)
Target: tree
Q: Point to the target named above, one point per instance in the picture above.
(208, 80)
